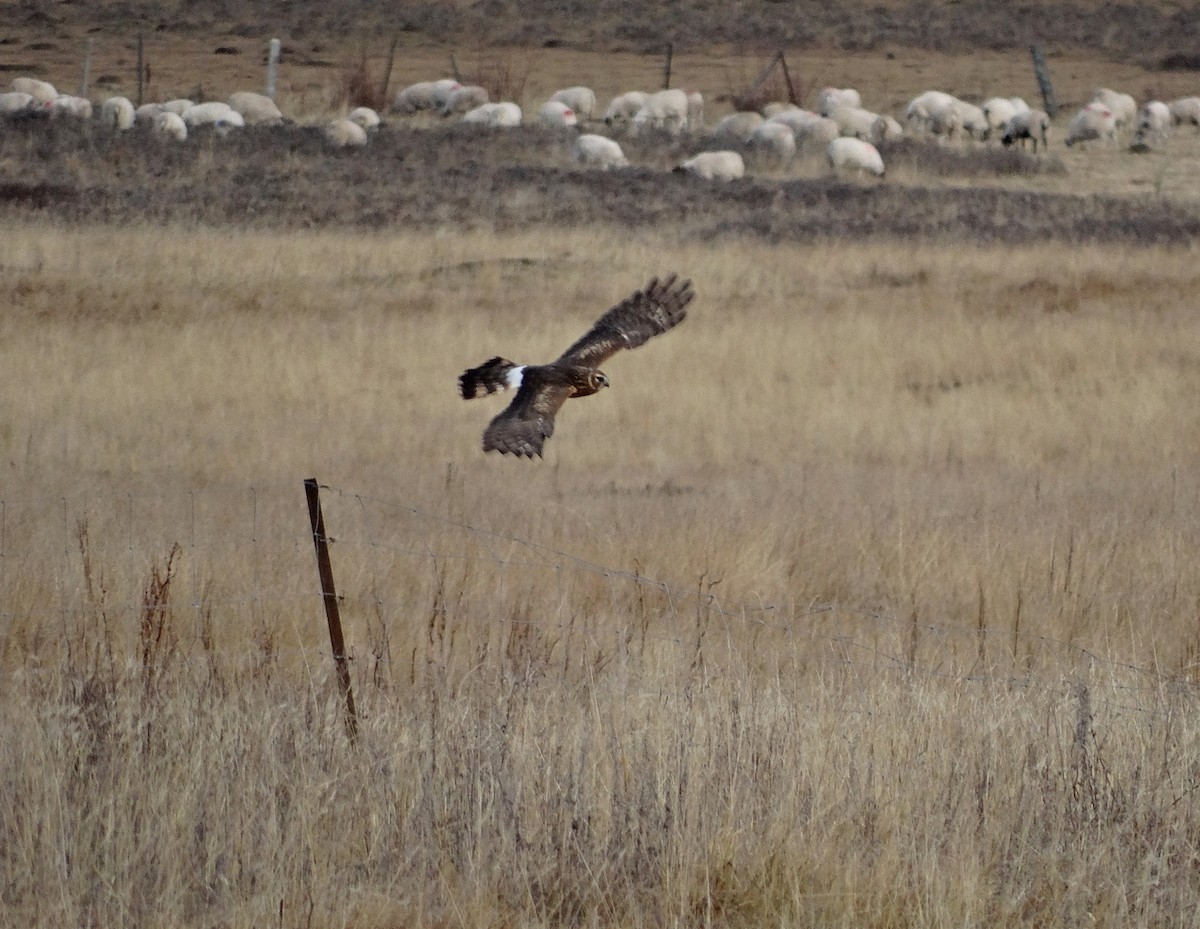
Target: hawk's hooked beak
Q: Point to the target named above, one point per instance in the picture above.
(601, 379)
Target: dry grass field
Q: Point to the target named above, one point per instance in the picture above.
(868, 597)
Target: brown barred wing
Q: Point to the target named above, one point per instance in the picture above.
(524, 426)
(651, 311)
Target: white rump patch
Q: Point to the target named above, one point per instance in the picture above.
(512, 380)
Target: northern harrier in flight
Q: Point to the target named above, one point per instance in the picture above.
(527, 422)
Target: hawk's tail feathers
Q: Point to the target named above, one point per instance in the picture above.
(493, 375)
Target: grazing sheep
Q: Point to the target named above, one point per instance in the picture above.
(365, 117)
(924, 108)
(1154, 125)
(999, 110)
(854, 121)
(147, 111)
(714, 166)
(170, 125)
(463, 100)
(555, 114)
(1032, 125)
(738, 126)
(885, 129)
(219, 115)
(814, 135)
(623, 107)
(664, 111)
(580, 100)
(597, 151)
(774, 109)
(424, 95)
(846, 154)
(179, 105)
(345, 133)
(69, 105)
(41, 91)
(773, 141)
(1122, 106)
(16, 101)
(1185, 110)
(117, 113)
(1094, 121)
(833, 98)
(494, 115)
(256, 109)
(793, 118)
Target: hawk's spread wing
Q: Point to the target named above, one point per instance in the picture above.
(649, 312)
(525, 425)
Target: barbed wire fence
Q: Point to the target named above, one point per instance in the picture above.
(181, 580)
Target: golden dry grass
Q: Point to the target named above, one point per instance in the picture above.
(918, 647)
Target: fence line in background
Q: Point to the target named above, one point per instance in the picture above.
(262, 531)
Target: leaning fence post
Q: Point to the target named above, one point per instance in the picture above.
(273, 67)
(1042, 73)
(329, 595)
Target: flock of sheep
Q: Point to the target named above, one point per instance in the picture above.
(838, 126)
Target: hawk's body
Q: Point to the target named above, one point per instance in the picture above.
(523, 427)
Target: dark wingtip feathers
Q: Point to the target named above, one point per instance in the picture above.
(488, 378)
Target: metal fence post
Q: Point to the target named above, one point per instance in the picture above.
(329, 595)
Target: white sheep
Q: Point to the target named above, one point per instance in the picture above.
(774, 141)
(214, 113)
(854, 121)
(738, 126)
(555, 114)
(168, 124)
(847, 154)
(463, 100)
(623, 107)
(495, 115)
(14, 102)
(41, 91)
(664, 111)
(365, 117)
(179, 105)
(924, 108)
(256, 109)
(117, 113)
(424, 95)
(1154, 124)
(999, 110)
(345, 133)
(597, 151)
(580, 100)
(1031, 125)
(1094, 121)
(885, 129)
(1122, 106)
(1185, 110)
(814, 135)
(832, 98)
(777, 107)
(714, 166)
(69, 105)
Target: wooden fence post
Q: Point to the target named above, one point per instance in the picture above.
(329, 595)
(1042, 73)
(273, 66)
(87, 69)
(667, 66)
(141, 70)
